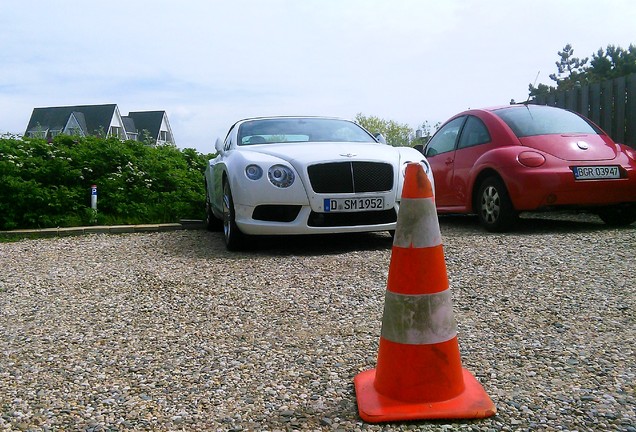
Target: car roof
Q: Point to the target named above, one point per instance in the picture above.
(520, 105)
(492, 109)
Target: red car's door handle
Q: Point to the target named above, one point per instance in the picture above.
(449, 161)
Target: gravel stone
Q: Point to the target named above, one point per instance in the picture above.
(169, 331)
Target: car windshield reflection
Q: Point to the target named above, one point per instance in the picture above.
(298, 130)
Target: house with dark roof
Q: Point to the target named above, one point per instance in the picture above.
(150, 125)
(100, 120)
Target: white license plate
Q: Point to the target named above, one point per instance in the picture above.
(353, 204)
(596, 172)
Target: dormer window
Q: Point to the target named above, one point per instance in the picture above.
(116, 132)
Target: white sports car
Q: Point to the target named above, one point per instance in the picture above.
(303, 175)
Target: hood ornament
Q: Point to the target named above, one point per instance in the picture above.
(582, 145)
(349, 155)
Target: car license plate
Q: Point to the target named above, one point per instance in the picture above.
(353, 204)
(596, 172)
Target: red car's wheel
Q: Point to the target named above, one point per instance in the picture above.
(619, 215)
(494, 208)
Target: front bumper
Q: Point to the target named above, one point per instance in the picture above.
(250, 220)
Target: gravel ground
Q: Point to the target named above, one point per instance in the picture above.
(168, 331)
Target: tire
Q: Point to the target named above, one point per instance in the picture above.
(618, 216)
(234, 238)
(494, 207)
(212, 223)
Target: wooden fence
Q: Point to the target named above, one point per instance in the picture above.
(610, 104)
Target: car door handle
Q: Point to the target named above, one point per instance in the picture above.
(449, 161)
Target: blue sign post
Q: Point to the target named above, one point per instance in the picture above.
(94, 197)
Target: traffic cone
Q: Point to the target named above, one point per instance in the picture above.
(419, 374)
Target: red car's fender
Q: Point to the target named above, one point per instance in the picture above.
(500, 161)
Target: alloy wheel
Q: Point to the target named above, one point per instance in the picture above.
(227, 215)
(490, 204)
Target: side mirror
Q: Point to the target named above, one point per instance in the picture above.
(380, 138)
(218, 146)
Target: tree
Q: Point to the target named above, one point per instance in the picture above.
(572, 71)
(612, 63)
(396, 134)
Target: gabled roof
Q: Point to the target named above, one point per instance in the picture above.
(96, 117)
(147, 120)
(129, 125)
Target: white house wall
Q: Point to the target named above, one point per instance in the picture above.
(165, 127)
(118, 122)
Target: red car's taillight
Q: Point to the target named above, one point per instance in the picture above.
(531, 159)
(630, 153)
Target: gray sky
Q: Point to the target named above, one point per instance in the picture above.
(210, 63)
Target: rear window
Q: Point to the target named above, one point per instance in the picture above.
(529, 120)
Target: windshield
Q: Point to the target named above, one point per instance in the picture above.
(529, 120)
(263, 131)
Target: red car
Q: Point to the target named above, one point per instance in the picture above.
(498, 162)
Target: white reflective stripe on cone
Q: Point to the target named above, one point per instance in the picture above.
(414, 227)
(418, 319)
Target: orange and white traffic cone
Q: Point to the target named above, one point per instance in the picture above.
(419, 374)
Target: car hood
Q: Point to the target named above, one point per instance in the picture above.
(304, 154)
(573, 147)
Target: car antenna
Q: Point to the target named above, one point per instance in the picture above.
(536, 78)
(527, 102)
(533, 84)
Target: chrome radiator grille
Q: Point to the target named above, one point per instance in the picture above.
(351, 177)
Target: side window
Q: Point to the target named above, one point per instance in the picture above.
(228, 140)
(444, 140)
(474, 133)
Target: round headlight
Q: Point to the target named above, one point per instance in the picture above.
(281, 176)
(253, 172)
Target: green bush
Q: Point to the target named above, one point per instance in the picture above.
(44, 185)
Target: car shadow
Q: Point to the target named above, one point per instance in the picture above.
(323, 244)
(532, 223)
(211, 245)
